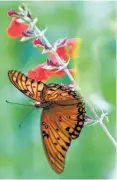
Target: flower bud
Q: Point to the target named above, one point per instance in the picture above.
(12, 13)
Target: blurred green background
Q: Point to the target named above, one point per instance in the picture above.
(92, 156)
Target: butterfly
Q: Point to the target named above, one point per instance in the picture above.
(62, 117)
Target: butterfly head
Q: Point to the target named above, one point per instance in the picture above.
(36, 105)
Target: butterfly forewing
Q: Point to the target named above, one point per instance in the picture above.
(31, 88)
(56, 92)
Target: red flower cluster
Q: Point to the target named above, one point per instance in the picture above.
(65, 48)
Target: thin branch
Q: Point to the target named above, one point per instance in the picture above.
(108, 134)
(100, 120)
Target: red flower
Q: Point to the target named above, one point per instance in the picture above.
(69, 49)
(15, 29)
(42, 72)
(65, 48)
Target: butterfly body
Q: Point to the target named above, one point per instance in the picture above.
(45, 105)
(62, 118)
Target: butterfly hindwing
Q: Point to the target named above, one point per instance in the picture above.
(31, 88)
(56, 141)
(71, 118)
(67, 101)
(59, 126)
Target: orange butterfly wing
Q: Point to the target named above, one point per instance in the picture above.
(55, 140)
(61, 123)
(31, 88)
(56, 92)
(59, 126)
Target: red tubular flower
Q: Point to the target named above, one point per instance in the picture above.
(15, 28)
(38, 42)
(42, 72)
(69, 49)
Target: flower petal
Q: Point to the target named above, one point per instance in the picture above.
(42, 72)
(15, 28)
(39, 43)
(38, 73)
(62, 52)
(59, 43)
(74, 45)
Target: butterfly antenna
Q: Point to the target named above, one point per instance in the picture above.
(26, 114)
(25, 117)
(18, 103)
